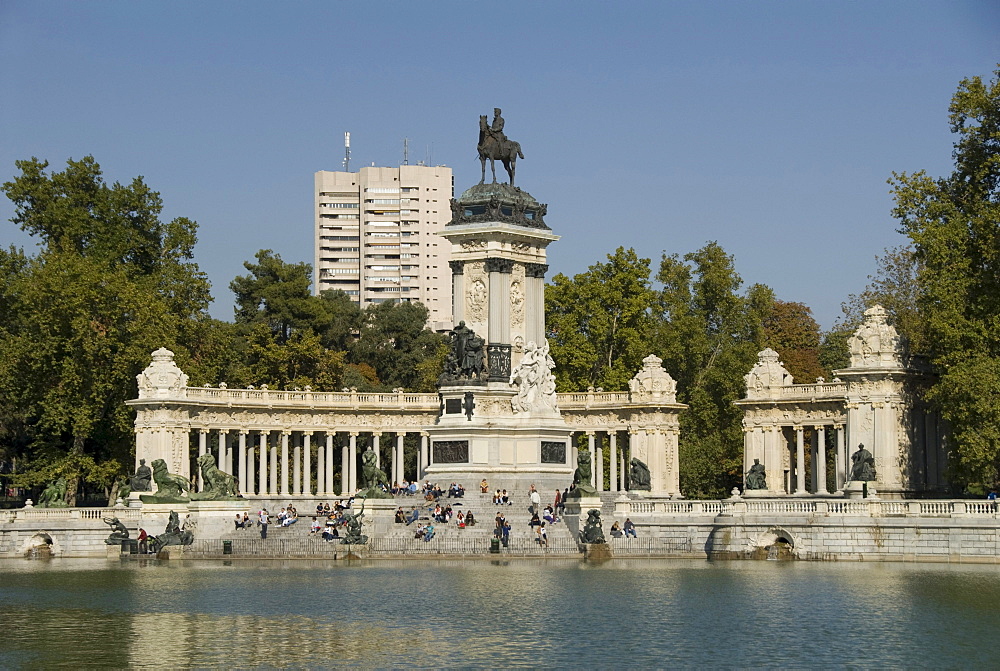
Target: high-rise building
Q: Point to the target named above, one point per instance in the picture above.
(376, 236)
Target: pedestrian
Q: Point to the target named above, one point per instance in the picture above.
(536, 500)
(263, 523)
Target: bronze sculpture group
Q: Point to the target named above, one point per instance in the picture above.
(494, 145)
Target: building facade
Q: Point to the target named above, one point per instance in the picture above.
(376, 236)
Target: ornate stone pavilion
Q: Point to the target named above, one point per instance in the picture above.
(307, 443)
(876, 401)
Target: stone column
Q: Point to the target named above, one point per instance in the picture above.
(202, 449)
(800, 461)
(613, 459)
(273, 472)
(401, 457)
(457, 290)
(422, 470)
(841, 469)
(593, 461)
(220, 462)
(296, 488)
(284, 462)
(599, 471)
(321, 469)
(307, 466)
(352, 464)
(329, 463)
(499, 299)
(262, 442)
(251, 481)
(821, 457)
(242, 447)
(345, 470)
(534, 274)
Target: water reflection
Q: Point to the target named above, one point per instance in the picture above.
(641, 613)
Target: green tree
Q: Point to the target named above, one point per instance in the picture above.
(110, 283)
(394, 340)
(793, 333)
(277, 293)
(708, 335)
(599, 322)
(953, 223)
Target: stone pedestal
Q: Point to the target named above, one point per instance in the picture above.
(761, 494)
(576, 513)
(854, 489)
(479, 436)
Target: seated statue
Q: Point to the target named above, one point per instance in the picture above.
(862, 465)
(592, 531)
(119, 532)
(54, 496)
(638, 476)
(756, 476)
(143, 477)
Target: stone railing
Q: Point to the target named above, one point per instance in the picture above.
(819, 390)
(593, 399)
(813, 507)
(349, 399)
(42, 514)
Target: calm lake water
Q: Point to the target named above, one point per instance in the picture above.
(562, 613)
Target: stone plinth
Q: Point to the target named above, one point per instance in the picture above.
(854, 489)
(510, 450)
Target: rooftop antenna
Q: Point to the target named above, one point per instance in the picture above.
(406, 151)
(347, 152)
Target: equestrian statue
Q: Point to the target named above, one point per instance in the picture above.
(494, 145)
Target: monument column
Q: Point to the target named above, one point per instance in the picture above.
(593, 462)
(296, 489)
(242, 447)
(352, 462)
(321, 451)
(821, 459)
(800, 461)
(262, 442)
(202, 449)
(251, 476)
(328, 490)
(613, 460)
(376, 435)
(535, 298)
(422, 469)
(345, 470)
(457, 290)
(307, 466)
(841, 469)
(221, 461)
(284, 461)
(401, 457)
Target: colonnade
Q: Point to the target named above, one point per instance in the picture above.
(618, 457)
(284, 462)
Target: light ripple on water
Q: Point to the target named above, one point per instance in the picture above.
(644, 613)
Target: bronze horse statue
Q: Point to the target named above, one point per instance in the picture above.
(489, 148)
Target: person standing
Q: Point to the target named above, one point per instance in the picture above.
(263, 523)
(536, 501)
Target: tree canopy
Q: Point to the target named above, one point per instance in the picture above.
(953, 223)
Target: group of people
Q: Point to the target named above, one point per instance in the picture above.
(627, 530)
(328, 530)
(439, 514)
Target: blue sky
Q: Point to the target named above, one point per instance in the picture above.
(770, 127)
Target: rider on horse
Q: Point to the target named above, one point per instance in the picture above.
(495, 129)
